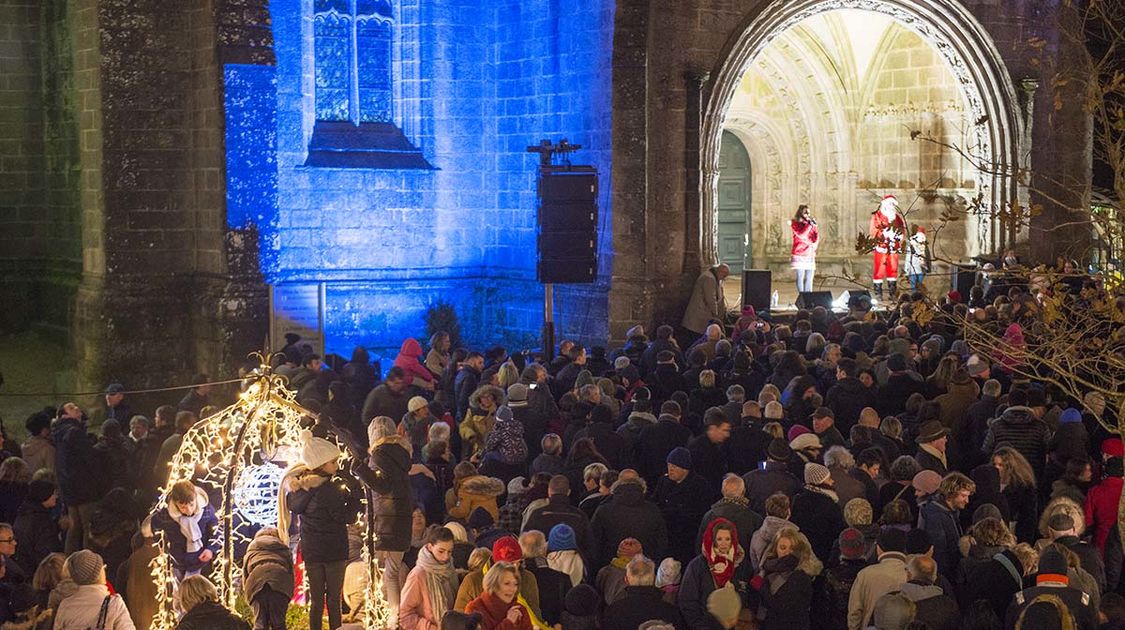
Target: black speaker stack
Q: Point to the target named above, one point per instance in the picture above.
(568, 225)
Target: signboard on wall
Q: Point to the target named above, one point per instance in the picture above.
(297, 308)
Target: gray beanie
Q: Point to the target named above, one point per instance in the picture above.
(85, 567)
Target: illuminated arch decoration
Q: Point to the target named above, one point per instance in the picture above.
(955, 33)
(238, 455)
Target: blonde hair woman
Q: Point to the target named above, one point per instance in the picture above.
(785, 581)
(199, 599)
(1017, 484)
(498, 605)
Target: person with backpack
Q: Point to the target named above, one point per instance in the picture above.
(91, 605)
(1052, 602)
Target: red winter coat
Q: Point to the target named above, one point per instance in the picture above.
(410, 360)
(1101, 508)
(805, 238)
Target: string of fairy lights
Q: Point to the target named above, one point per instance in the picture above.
(238, 456)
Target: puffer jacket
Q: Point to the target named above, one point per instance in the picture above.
(1018, 428)
(267, 561)
(211, 616)
(387, 477)
(473, 492)
(325, 509)
(506, 444)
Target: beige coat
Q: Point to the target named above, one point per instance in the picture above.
(80, 610)
(706, 303)
(872, 583)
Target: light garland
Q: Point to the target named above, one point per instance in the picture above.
(239, 454)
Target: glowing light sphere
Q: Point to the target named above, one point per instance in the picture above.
(255, 493)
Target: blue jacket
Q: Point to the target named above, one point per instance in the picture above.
(176, 543)
(944, 530)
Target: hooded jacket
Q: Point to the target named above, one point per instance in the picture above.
(762, 538)
(477, 491)
(410, 360)
(1101, 503)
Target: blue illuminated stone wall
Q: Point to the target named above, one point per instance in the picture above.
(474, 84)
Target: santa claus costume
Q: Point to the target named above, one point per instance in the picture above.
(888, 229)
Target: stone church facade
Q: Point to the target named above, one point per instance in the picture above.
(165, 163)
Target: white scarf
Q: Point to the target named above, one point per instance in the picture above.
(189, 525)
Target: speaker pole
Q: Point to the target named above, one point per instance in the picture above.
(549, 321)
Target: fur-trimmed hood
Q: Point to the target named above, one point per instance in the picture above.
(482, 485)
(497, 395)
(307, 481)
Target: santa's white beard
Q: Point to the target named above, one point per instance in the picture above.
(889, 214)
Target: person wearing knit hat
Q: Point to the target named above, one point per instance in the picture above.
(82, 608)
(1052, 602)
(932, 439)
(580, 608)
(795, 431)
(683, 496)
(978, 368)
(816, 510)
(480, 520)
(610, 580)
(807, 441)
(562, 553)
(385, 474)
(853, 546)
(311, 490)
(778, 450)
(517, 395)
(772, 476)
(679, 457)
(620, 363)
(506, 549)
(925, 483)
(807, 448)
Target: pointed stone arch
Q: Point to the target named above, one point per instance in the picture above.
(955, 33)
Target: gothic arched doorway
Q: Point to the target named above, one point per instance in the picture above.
(824, 95)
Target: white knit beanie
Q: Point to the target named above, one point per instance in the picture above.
(316, 452)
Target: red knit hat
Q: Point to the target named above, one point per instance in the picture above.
(506, 549)
(628, 548)
(1113, 448)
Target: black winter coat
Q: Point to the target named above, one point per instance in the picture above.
(760, 484)
(790, 607)
(709, 460)
(654, 444)
(846, 399)
(612, 446)
(746, 447)
(994, 583)
(78, 469)
(384, 402)
(695, 586)
(838, 582)
(211, 616)
(819, 518)
(267, 562)
(628, 514)
(664, 381)
(387, 476)
(325, 509)
(559, 510)
(683, 506)
(639, 604)
(1019, 428)
(37, 533)
(892, 396)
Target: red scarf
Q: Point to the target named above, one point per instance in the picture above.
(722, 565)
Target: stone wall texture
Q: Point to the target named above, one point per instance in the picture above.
(153, 180)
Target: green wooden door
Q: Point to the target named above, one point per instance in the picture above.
(734, 203)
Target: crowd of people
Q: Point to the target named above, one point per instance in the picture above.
(867, 470)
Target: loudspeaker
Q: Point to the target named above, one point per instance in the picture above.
(811, 299)
(568, 226)
(757, 285)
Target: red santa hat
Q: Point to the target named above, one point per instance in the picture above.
(886, 197)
